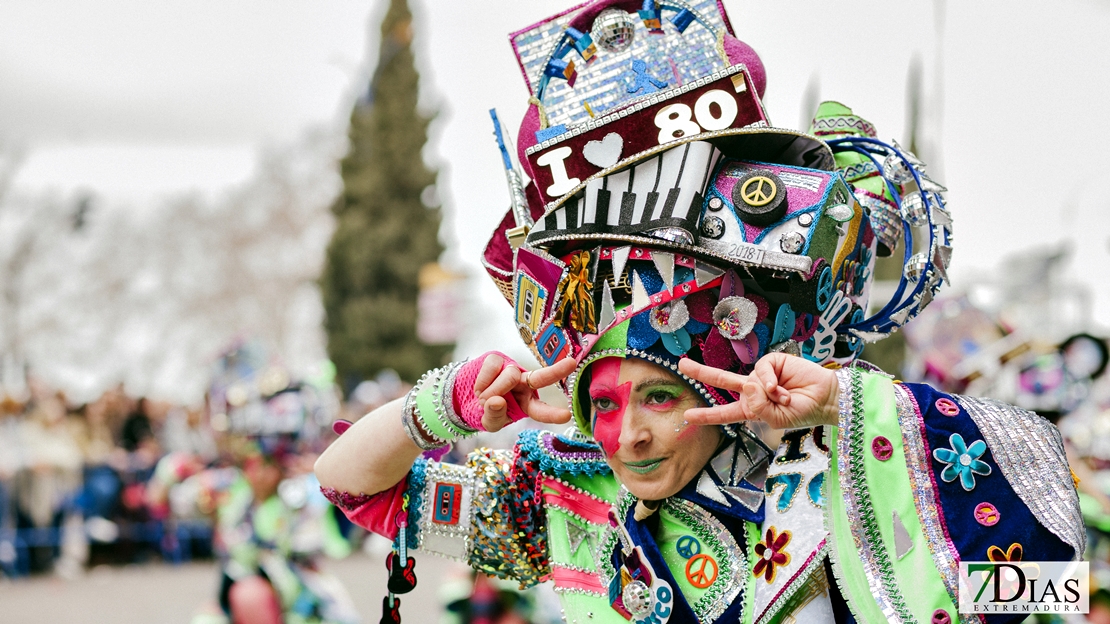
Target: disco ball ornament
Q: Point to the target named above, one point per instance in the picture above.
(613, 30)
(637, 598)
(913, 209)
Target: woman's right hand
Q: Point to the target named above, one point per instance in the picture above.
(502, 388)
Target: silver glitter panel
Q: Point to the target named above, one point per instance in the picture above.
(945, 557)
(604, 84)
(1030, 452)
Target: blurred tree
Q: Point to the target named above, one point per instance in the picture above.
(148, 296)
(385, 231)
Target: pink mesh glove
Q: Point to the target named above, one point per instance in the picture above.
(466, 399)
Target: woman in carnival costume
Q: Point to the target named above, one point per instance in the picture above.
(681, 267)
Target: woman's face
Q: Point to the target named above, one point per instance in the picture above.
(637, 413)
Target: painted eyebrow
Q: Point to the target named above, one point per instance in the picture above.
(657, 381)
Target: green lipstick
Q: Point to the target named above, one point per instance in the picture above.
(644, 466)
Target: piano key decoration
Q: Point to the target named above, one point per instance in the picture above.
(661, 192)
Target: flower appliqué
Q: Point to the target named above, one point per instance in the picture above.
(772, 554)
(1010, 555)
(963, 461)
(670, 322)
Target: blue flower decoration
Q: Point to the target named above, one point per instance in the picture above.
(963, 461)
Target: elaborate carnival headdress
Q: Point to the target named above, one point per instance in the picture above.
(666, 217)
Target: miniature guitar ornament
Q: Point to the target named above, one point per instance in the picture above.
(391, 614)
(402, 578)
(636, 592)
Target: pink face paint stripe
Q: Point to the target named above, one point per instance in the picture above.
(590, 508)
(607, 425)
(573, 579)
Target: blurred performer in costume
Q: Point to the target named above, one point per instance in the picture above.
(728, 266)
(273, 527)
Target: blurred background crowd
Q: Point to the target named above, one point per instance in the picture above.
(75, 479)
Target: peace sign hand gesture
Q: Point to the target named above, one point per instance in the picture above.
(505, 393)
(784, 391)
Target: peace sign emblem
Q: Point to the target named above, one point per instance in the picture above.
(987, 514)
(701, 571)
(881, 448)
(759, 190)
(688, 546)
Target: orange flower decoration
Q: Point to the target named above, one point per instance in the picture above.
(772, 553)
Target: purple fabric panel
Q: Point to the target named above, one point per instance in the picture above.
(740, 52)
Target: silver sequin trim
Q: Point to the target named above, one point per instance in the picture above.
(852, 491)
(925, 497)
(1030, 452)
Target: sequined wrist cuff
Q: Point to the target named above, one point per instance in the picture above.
(409, 420)
(429, 415)
(844, 395)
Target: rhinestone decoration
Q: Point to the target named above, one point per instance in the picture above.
(805, 219)
(735, 317)
(716, 204)
(637, 598)
(792, 242)
(841, 213)
(675, 235)
(712, 227)
(669, 318)
(613, 30)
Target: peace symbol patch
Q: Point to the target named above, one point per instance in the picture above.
(688, 546)
(701, 571)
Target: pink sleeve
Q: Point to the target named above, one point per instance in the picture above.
(376, 513)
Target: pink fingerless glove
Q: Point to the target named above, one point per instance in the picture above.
(466, 400)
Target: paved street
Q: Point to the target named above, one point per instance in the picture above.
(164, 594)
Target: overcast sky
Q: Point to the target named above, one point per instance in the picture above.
(132, 99)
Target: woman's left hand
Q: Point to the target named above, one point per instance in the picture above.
(784, 391)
